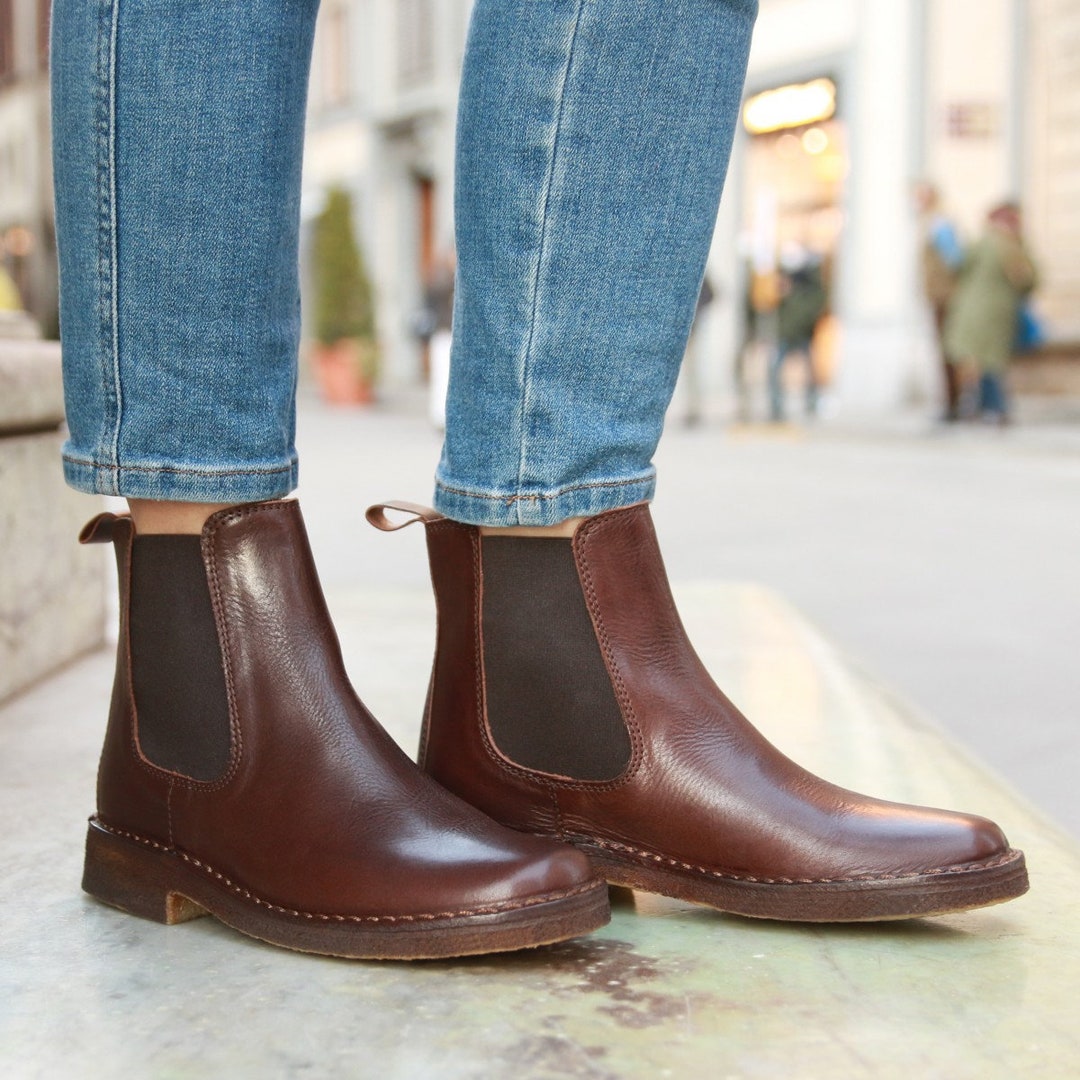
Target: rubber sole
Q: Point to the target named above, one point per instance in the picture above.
(155, 882)
(941, 892)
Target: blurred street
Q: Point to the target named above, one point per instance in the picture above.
(944, 563)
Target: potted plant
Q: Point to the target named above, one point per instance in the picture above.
(345, 353)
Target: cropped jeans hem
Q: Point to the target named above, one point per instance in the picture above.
(541, 507)
(178, 484)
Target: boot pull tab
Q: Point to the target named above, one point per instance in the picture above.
(101, 529)
(376, 515)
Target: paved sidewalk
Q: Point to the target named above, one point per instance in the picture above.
(667, 990)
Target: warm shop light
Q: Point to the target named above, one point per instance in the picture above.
(790, 106)
(815, 141)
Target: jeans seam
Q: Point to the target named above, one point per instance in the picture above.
(548, 184)
(108, 28)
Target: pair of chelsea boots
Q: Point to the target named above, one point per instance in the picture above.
(571, 739)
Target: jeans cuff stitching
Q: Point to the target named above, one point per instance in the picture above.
(84, 463)
(547, 495)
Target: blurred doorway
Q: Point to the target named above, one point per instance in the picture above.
(795, 167)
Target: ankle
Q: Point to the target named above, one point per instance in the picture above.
(565, 529)
(175, 518)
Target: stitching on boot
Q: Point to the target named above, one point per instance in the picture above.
(641, 853)
(247, 894)
(580, 540)
(553, 793)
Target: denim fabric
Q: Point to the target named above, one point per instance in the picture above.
(593, 138)
(178, 130)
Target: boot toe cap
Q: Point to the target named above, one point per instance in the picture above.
(549, 866)
(917, 840)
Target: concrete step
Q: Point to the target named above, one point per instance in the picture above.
(667, 990)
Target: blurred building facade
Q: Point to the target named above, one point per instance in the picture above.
(979, 97)
(27, 237)
(914, 98)
(381, 114)
(982, 97)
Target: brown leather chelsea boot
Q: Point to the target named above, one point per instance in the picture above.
(242, 777)
(566, 701)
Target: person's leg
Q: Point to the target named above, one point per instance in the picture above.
(776, 380)
(807, 350)
(241, 776)
(178, 131)
(992, 395)
(593, 138)
(950, 375)
(1004, 398)
(566, 699)
(953, 391)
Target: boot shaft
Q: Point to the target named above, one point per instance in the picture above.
(538, 640)
(199, 614)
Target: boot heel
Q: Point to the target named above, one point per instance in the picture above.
(134, 879)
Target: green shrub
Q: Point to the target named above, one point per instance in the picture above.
(343, 302)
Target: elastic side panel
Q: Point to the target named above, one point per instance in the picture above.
(181, 705)
(550, 703)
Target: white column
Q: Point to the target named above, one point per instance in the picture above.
(884, 362)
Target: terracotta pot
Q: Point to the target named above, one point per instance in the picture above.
(339, 369)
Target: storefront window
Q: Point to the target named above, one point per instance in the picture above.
(796, 166)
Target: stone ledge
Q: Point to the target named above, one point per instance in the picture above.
(51, 592)
(31, 387)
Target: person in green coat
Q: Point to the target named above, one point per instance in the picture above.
(980, 328)
(803, 301)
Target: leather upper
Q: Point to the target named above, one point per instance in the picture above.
(319, 810)
(703, 787)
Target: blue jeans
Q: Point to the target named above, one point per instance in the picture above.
(593, 140)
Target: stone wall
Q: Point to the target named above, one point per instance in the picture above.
(51, 589)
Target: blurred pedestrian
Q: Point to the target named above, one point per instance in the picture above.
(439, 304)
(692, 360)
(981, 326)
(803, 301)
(942, 257)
